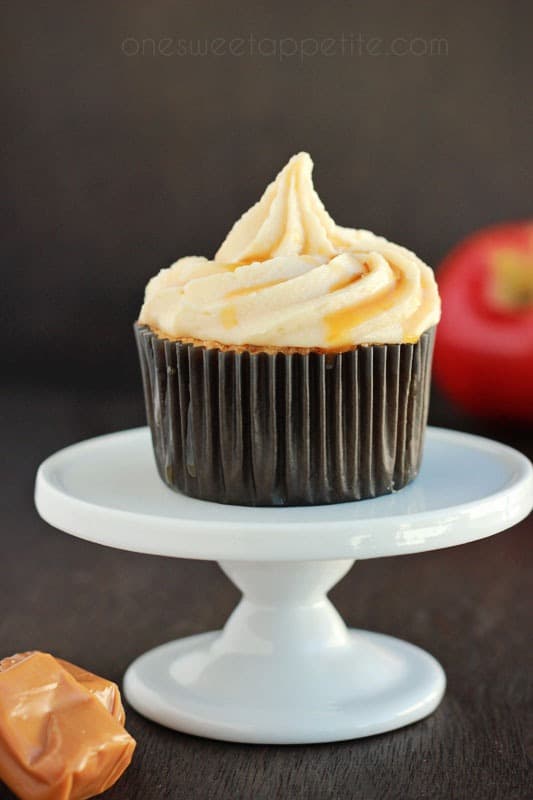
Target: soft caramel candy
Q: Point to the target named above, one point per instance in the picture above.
(61, 731)
(106, 691)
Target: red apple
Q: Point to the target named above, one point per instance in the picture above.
(484, 346)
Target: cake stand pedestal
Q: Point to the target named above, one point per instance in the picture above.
(285, 668)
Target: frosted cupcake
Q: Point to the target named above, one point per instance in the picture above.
(294, 367)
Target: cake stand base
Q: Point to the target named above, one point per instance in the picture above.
(285, 669)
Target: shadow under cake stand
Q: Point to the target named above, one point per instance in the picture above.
(285, 668)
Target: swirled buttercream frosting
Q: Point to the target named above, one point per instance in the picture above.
(288, 276)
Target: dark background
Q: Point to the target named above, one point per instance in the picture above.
(113, 166)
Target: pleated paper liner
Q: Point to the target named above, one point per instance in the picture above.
(266, 429)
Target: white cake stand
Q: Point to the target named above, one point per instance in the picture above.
(285, 669)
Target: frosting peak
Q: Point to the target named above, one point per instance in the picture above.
(289, 220)
(288, 275)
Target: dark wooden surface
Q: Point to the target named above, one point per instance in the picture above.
(470, 606)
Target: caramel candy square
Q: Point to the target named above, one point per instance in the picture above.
(61, 736)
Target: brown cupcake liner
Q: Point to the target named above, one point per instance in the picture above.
(276, 429)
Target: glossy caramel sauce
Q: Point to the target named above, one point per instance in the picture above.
(251, 289)
(347, 280)
(233, 265)
(339, 324)
(228, 317)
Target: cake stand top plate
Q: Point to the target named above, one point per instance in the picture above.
(107, 490)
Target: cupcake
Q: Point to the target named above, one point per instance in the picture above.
(294, 367)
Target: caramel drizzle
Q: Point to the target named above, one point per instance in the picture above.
(244, 262)
(245, 290)
(348, 280)
(228, 317)
(341, 283)
(340, 323)
(251, 289)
